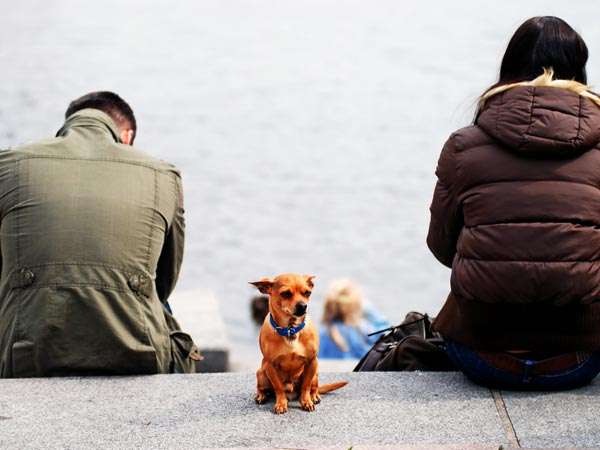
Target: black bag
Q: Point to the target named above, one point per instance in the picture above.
(412, 345)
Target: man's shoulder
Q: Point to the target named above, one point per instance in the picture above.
(136, 156)
(62, 148)
(26, 150)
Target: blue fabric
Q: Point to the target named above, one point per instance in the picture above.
(286, 331)
(356, 337)
(481, 372)
(374, 320)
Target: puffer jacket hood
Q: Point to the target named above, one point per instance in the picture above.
(542, 117)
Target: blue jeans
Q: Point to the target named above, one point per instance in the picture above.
(481, 372)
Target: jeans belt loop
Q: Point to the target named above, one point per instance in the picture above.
(527, 369)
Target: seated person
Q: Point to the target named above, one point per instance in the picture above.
(347, 320)
(516, 215)
(91, 243)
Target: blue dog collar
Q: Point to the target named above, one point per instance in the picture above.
(287, 331)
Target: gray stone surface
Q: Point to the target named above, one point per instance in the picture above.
(217, 410)
(198, 313)
(395, 447)
(561, 419)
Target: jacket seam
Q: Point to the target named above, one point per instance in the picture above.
(19, 333)
(80, 263)
(179, 198)
(553, 139)
(498, 111)
(18, 216)
(531, 261)
(142, 315)
(554, 222)
(151, 233)
(578, 120)
(171, 219)
(88, 284)
(466, 148)
(524, 139)
(556, 110)
(116, 160)
(528, 181)
(457, 179)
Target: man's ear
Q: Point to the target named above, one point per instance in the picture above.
(309, 280)
(127, 136)
(263, 285)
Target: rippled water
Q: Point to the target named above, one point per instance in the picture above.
(307, 131)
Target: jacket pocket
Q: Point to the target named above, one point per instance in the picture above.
(94, 330)
(23, 362)
(184, 353)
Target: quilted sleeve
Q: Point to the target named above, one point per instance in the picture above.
(446, 214)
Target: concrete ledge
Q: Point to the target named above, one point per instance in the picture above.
(376, 410)
(197, 312)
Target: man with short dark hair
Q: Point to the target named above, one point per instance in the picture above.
(91, 241)
(113, 105)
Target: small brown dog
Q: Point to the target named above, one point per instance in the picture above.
(289, 345)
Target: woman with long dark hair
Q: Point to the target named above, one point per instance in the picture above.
(516, 215)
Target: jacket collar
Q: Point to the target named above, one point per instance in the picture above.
(545, 80)
(90, 118)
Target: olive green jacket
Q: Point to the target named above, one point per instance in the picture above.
(91, 242)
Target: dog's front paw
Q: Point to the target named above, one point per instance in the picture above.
(280, 407)
(316, 398)
(260, 398)
(307, 404)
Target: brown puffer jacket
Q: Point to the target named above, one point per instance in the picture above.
(516, 214)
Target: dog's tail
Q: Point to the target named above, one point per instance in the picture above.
(324, 388)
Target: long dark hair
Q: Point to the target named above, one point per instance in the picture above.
(544, 42)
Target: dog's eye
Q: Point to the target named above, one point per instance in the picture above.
(286, 294)
(307, 294)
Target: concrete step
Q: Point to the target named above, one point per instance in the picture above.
(376, 410)
(197, 311)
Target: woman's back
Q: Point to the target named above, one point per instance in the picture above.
(516, 214)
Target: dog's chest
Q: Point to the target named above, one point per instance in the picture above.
(294, 357)
(292, 362)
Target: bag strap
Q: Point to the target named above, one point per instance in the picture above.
(370, 359)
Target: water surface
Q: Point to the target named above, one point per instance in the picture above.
(307, 132)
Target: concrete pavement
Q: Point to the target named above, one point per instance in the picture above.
(376, 410)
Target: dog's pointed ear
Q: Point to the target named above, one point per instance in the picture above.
(263, 285)
(309, 280)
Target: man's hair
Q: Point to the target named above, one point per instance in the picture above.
(108, 102)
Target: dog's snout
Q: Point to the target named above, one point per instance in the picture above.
(300, 309)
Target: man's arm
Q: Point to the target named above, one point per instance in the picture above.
(171, 256)
(446, 215)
